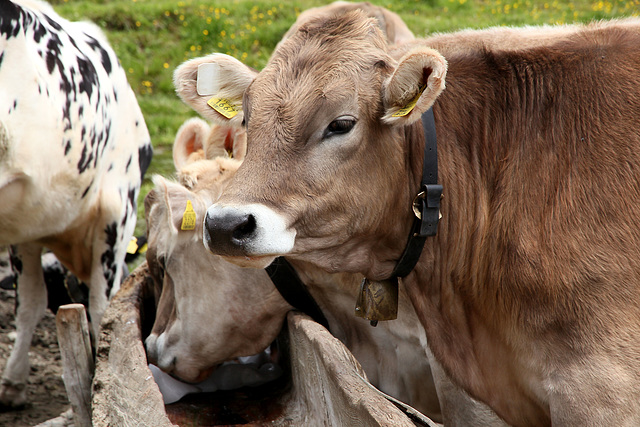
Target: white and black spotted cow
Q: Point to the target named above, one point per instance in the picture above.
(73, 149)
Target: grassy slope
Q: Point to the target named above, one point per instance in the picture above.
(152, 38)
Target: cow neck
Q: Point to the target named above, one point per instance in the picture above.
(294, 291)
(378, 300)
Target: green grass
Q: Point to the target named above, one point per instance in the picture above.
(152, 38)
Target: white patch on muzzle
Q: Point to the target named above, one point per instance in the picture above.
(271, 235)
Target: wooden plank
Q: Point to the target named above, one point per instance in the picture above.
(329, 385)
(124, 392)
(77, 360)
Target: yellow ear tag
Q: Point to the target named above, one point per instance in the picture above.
(132, 246)
(407, 108)
(224, 107)
(188, 217)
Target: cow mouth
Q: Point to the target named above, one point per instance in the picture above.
(273, 365)
(260, 262)
(241, 372)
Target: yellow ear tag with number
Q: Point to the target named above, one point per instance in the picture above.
(407, 108)
(224, 107)
(188, 218)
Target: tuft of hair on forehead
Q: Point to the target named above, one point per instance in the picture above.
(207, 175)
(354, 23)
(348, 30)
(331, 45)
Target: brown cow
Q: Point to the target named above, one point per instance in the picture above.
(529, 291)
(210, 311)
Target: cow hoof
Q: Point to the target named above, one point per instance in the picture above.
(12, 396)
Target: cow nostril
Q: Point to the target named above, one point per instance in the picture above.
(228, 231)
(245, 228)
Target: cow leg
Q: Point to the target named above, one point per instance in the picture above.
(31, 305)
(108, 265)
(98, 301)
(99, 289)
(594, 391)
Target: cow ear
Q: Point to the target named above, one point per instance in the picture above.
(413, 86)
(189, 143)
(394, 27)
(239, 143)
(226, 139)
(179, 204)
(214, 86)
(157, 207)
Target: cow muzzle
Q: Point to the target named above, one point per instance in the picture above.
(250, 234)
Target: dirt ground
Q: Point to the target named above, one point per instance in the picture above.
(46, 393)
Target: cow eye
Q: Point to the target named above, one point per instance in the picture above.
(339, 126)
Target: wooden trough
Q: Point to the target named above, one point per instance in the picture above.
(323, 384)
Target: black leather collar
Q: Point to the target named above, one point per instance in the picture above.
(294, 291)
(426, 205)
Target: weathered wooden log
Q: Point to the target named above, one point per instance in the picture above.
(327, 385)
(124, 393)
(77, 360)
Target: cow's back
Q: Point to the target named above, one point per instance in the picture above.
(71, 131)
(547, 261)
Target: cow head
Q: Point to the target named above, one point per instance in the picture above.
(208, 310)
(327, 163)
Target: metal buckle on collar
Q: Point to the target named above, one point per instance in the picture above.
(426, 207)
(431, 195)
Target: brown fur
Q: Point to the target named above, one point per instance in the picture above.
(534, 246)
